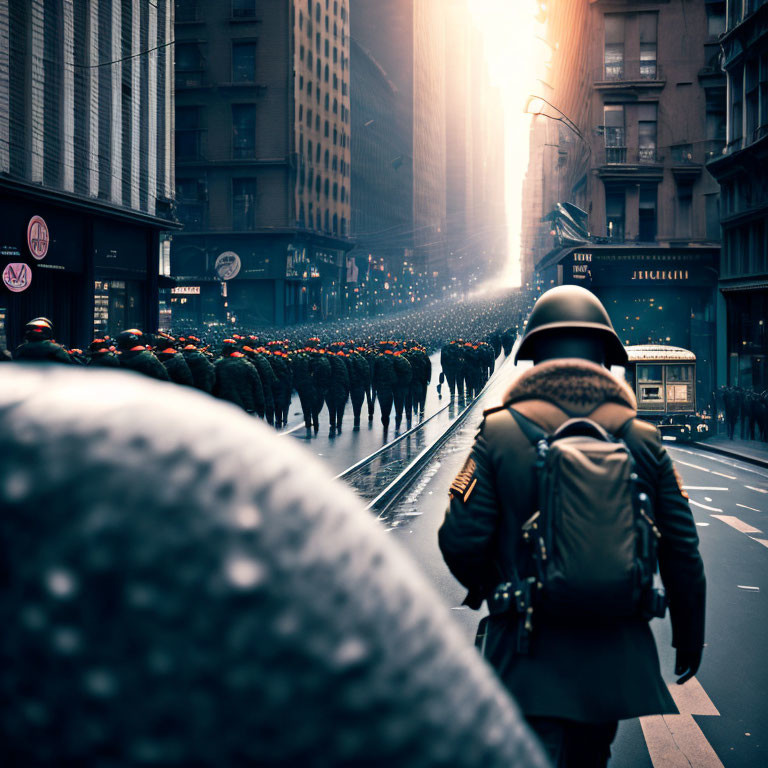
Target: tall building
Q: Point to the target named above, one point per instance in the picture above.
(406, 39)
(86, 163)
(263, 160)
(655, 109)
(742, 171)
(476, 226)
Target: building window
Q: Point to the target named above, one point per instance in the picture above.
(243, 131)
(647, 213)
(186, 10)
(648, 42)
(646, 133)
(327, 159)
(614, 46)
(243, 9)
(614, 134)
(243, 204)
(191, 202)
(243, 62)
(764, 90)
(614, 214)
(752, 74)
(736, 91)
(189, 65)
(188, 133)
(715, 19)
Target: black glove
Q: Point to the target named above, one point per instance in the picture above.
(687, 663)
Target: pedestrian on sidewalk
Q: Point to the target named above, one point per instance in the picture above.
(575, 667)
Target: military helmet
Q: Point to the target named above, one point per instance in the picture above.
(570, 307)
(129, 339)
(39, 329)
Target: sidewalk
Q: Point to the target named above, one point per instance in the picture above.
(752, 451)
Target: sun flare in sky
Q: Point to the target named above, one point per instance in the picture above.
(517, 55)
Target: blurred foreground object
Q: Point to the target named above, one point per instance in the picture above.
(181, 587)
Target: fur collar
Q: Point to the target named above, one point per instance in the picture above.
(577, 386)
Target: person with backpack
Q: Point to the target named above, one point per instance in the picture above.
(563, 510)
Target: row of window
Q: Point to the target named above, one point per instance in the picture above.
(749, 100)
(329, 161)
(190, 63)
(306, 55)
(322, 220)
(337, 109)
(617, 26)
(189, 10)
(324, 73)
(192, 203)
(308, 181)
(189, 132)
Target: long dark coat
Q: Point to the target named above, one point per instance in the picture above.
(583, 672)
(238, 381)
(201, 369)
(141, 360)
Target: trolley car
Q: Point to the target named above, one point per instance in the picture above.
(664, 382)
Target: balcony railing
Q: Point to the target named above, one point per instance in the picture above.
(619, 155)
(629, 71)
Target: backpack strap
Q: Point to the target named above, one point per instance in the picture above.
(532, 431)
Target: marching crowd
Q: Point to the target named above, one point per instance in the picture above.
(384, 361)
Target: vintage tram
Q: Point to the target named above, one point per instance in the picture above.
(663, 379)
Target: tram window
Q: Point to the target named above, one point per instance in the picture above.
(650, 394)
(677, 393)
(679, 373)
(649, 373)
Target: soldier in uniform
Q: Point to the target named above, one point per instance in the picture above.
(134, 356)
(384, 378)
(39, 346)
(258, 358)
(338, 391)
(578, 678)
(302, 383)
(175, 364)
(237, 380)
(359, 382)
(201, 368)
(320, 368)
(402, 389)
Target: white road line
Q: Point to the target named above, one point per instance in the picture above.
(693, 466)
(739, 525)
(759, 490)
(702, 525)
(764, 542)
(751, 509)
(704, 506)
(702, 488)
(748, 589)
(676, 741)
(726, 462)
(721, 474)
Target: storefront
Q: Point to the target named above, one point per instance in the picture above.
(654, 295)
(747, 339)
(255, 280)
(89, 268)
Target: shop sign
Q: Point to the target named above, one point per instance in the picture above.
(660, 274)
(186, 290)
(37, 237)
(227, 265)
(17, 277)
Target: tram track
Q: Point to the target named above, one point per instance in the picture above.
(383, 476)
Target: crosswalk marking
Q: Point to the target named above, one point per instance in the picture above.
(739, 525)
(676, 741)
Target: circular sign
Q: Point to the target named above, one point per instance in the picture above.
(17, 277)
(227, 265)
(37, 237)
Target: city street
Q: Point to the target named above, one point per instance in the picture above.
(727, 702)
